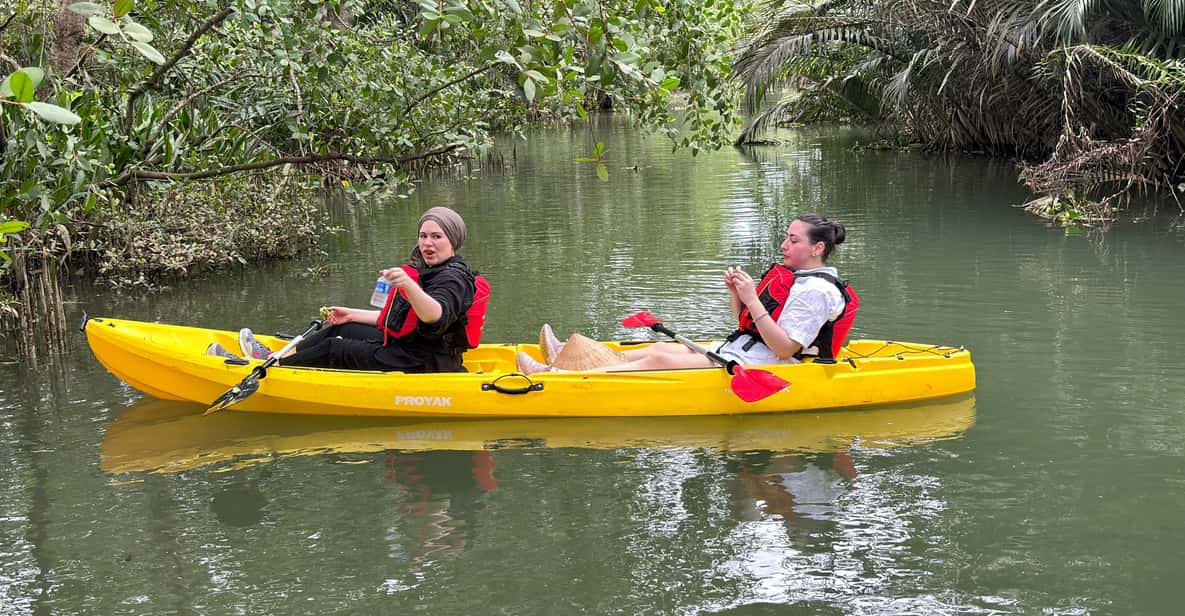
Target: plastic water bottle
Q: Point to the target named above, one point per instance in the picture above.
(382, 288)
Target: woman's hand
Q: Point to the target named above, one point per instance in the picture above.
(746, 288)
(338, 315)
(730, 278)
(398, 278)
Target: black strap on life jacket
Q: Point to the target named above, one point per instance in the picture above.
(826, 336)
(824, 339)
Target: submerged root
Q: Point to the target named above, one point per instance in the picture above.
(162, 236)
(32, 318)
(1068, 210)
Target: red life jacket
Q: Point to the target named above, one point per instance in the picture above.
(774, 292)
(474, 318)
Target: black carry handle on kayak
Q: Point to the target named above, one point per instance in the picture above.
(517, 391)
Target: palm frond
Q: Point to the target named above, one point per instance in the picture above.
(1067, 17)
(1169, 15)
(767, 61)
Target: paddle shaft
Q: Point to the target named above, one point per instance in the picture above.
(749, 385)
(275, 357)
(250, 383)
(724, 363)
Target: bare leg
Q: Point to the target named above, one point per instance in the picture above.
(658, 356)
(661, 361)
(665, 348)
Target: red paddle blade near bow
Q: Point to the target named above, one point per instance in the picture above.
(753, 385)
(642, 319)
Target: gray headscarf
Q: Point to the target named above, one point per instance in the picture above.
(450, 222)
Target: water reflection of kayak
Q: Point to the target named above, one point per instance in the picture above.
(165, 436)
(169, 362)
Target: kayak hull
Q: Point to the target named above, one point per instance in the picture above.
(169, 362)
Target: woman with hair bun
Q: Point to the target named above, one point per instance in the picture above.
(800, 308)
(802, 327)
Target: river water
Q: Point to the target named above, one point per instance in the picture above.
(1057, 488)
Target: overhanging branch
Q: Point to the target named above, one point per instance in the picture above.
(144, 174)
(4, 26)
(154, 79)
(430, 93)
(189, 99)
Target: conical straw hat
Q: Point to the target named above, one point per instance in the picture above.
(584, 353)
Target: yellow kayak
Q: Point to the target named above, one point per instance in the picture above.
(169, 362)
(165, 436)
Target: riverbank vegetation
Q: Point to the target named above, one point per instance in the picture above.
(145, 138)
(1087, 94)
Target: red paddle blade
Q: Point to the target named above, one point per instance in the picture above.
(642, 319)
(753, 385)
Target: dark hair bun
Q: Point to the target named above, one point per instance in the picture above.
(839, 233)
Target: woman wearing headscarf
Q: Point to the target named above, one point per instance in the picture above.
(436, 303)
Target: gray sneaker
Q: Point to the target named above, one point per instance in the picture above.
(252, 348)
(217, 350)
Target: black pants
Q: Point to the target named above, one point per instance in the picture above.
(350, 346)
(356, 346)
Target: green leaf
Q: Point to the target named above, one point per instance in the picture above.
(581, 112)
(428, 27)
(36, 74)
(123, 7)
(86, 9)
(53, 113)
(670, 83)
(6, 84)
(627, 57)
(148, 51)
(12, 226)
(461, 12)
(602, 172)
(599, 149)
(504, 57)
(529, 89)
(22, 86)
(102, 24)
(585, 159)
(136, 32)
(536, 76)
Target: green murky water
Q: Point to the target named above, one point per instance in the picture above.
(1057, 487)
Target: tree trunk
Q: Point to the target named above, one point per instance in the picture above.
(67, 38)
(339, 18)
